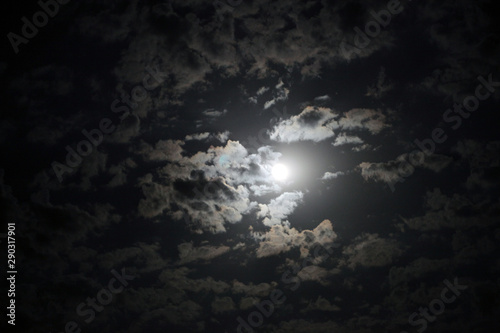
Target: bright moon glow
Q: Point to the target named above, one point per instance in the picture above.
(280, 172)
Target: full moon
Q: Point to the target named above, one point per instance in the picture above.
(280, 172)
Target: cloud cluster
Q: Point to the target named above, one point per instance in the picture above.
(281, 238)
(320, 123)
(212, 188)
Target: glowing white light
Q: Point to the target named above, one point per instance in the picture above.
(280, 172)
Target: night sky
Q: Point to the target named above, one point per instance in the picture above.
(250, 166)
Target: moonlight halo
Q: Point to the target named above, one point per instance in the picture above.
(280, 172)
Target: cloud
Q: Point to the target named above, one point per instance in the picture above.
(142, 255)
(210, 189)
(313, 123)
(343, 139)
(304, 326)
(282, 238)
(369, 250)
(214, 113)
(332, 175)
(188, 253)
(119, 172)
(321, 304)
(248, 302)
(197, 136)
(279, 208)
(453, 212)
(156, 198)
(223, 304)
(314, 273)
(372, 120)
(164, 150)
(258, 290)
(449, 32)
(416, 270)
(319, 123)
(362, 147)
(262, 90)
(396, 170)
(281, 95)
(222, 136)
(324, 98)
(178, 279)
(379, 89)
(483, 161)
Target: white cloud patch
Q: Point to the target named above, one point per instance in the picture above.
(197, 136)
(332, 175)
(344, 139)
(323, 98)
(222, 136)
(280, 95)
(319, 123)
(262, 90)
(313, 123)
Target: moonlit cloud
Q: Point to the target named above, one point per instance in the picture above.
(332, 175)
(320, 123)
(279, 208)
(344, 139)
(281, 238)
(315, 124)
(197, 136)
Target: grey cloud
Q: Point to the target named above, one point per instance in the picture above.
(164, 150)
(455, 212)
(314, 273)
(483, 161)
(379, 89)
(214, 113)
(258, 290)
(189, 253)
(321, 304)
(396, 170)
(223, 304)
(369, 250)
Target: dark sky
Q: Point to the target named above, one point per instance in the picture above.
(251, 166)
